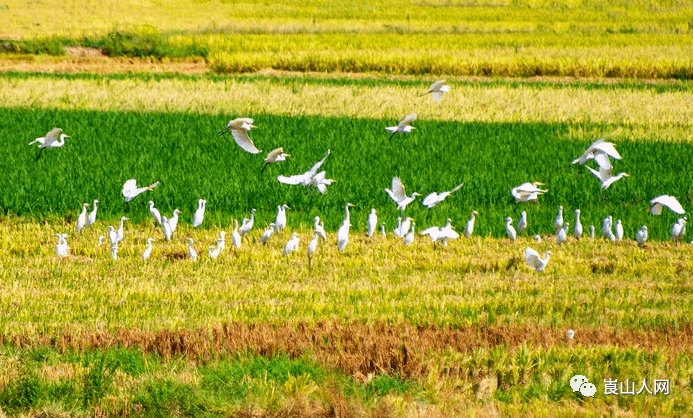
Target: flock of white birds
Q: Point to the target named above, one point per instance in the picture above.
(600, 151)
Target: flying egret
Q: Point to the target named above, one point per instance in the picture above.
(321, 182)
(598, 147)
(173, 222)
(274, 156)
(641, 236)
(382, 229)
(312, 246)
(562, 234)
(82, 219)
(306, 178)
(577, 231)
(235, 236)
(441, 234)
(191, 251)
(50, 140)
(527, 191)
(679, 230)
(320, 229)
(670, 202)
(92, 215)
(618, 230)
(166, 225)
(606, 226)
(114, 251)
(120, 230)
(343, 235)
(403, 126)
(434, 198)
(522, 223)
(280, 221)
(410, 236)
(239, 130)
(62, 249)
(372, 222)
(199, 215)
(510, 229)
(470, 225)
(606, 172)
(155, 212)
(558, 222)
(535, 261)
(214, 252)
(591, 231)
(221, 241)
(247, 226)
(112, 235)
(397, 194)
(268, 233)
(292, 245)
(131, 191)
(148, 251)
(437, 89)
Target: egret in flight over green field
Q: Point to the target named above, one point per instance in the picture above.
(598, 147)
(397, 194)
(534, 261)
(527, 191)
(239, 130)
(434, 198)
(606, 171)
(437, 89)
(131, 191)
(306, 178)
(274, 156)
(670, 202)
(403, 126)
(55, 138)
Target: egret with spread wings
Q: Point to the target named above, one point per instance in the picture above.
(403, 126)
(397, 194)
(437, 89)
(239, 130)
(55, 138)
(308, 178)
(131, 191)
(434, 198)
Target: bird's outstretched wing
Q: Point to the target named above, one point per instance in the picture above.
(397, 190)
(431, 200)
(129, 187)
(274, 154)
(52, 136)
(458, 187)
(669, 201)
(293, 180)
(243, 140)
(314, 169)
(607, 148)
(532, 258)
(406, 121)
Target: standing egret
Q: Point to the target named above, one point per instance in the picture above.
(120, 230)
(562, 234)
(235, 236)
(382, 229)
(598, 147)
(522, 223)
(397, 194)
(214, 252)
(404, 229)
(441, 234)
(537, 238)
(268, 233)
(434, 198)
(320, 229)
(535, 261)
(343, 235)
(274, 156)
(100, 240)
(527, 191)
(114, 251)
(611, 237)
(305, 179)
(679, 230)
(470, 225)
(618, 230)
(558, 222)
(312, 246)
(131, 191)
(410, 236)
(247, 226)
(347, 216)
(641, 236)
(112, 235)
(606, 226)
(148, 251)
(191, 251)
(292, 245)
(591, 231)
(50, 140)
(199, 215)
(166, 225)
(577, 231)
(398, 229)
(437, 89)
(239, 130)
(173, 222)
(221, 241)
(372, 222)
(92, 215)
(62, 249)
(82, 219)
(403, 126)
(510, 229)
(280, 221)
(155, 212)
(670, 202)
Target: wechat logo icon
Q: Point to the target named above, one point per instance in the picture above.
(581, 384)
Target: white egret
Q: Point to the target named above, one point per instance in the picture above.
(397, 194)
(92, 215)
(562, 234)
(679, 229)
(343, 235)
(537, 238)
(670, 202)
(292, 245)
(191, 251)
(320, 229)
(100, 240)
(618, 230)
(214, 252)
(268, 233)
(274, 156)
(120, 230)
(595, 149)
(405, 227)
(247, 226)
(239, 130)
(221, 241)
(592, 231)
(235, 236)
(155, 212)
(398, 229)
(148, 251)
(280, 221)
(312, 246)
(382, 229)
(577, 231)
(306, 178)
(372, 222)
(571, 334)
(437, 89)
(611, 237)
(441, 234)
(62, 249)
(527, 191)
(321, 182)
(55, 138)
(534, 261)
(522, 223)
(173, 222)
(641, 236)
(112, 235)
(114, 251)
(510, 229)
(199, 215)
(403, 126)
(410, 236)
(166, 225)
(606, 226)
(82, 219)
(606, 172)
(131, 191)
(434, 198)
(558, 222)
(470, 225)
(347, 216)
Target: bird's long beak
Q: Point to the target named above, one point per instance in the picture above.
(413, 127)
(288, 155)
(288, 207)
